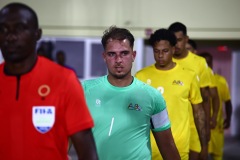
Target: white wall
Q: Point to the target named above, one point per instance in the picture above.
(205, 19)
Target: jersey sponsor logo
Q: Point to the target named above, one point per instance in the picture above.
(43, 118)
(136, 107)
(177, 82)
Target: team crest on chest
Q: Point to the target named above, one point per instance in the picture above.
(43, 118)
(178, 82)
(134, 107)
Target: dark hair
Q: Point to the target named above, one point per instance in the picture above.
(162, 34)
(177, 27)
(118, 34)
(208, 56)
(23, 6)
(192, 43)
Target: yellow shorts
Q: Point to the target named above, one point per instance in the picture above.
(216, 143)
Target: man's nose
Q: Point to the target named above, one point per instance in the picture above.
(118, 58)
(11, 36)
(160, 54)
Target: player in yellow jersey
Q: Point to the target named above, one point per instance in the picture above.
(198, 64)
(215, 101)
(217, 134)
(191, 45)
(179, 87)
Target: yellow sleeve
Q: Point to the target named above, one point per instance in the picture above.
(195, 94)
(204, 74)
(225, 91)
(212, 78)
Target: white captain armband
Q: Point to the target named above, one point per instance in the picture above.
(160, 120)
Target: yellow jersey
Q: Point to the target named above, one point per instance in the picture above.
(216, 143)
(212, 78)
(198, 65)
(224, 95)
(179, 86)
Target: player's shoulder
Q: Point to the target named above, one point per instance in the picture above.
(53, 71)
(197, 57)
(91, 83)
(202, 62)
(52, 67)
(220, 77)
(144, 86)
(145, 70)
(187, 71)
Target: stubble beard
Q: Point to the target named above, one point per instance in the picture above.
(120, 76)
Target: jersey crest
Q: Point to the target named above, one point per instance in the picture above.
(135, 107)
(43, 118)
(177, 82)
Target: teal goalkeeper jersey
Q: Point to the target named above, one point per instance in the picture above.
(123, 117)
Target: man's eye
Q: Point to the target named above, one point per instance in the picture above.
(124, 53)
(111, 54)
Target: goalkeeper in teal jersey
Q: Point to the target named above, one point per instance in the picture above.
(124, 109)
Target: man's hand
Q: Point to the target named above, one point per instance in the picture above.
(226, 123)
(204, 153)
(213, 122)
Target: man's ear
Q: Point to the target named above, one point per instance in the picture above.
(134, 55)
(187, 38)
(104, 56)
(38, 34)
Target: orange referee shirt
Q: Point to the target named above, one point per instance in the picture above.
(39, 110)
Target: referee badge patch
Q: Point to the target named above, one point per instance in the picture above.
(43, 118)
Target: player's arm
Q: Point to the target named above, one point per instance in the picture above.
(84, 145)
(228, 104)
(200, 119)
(163, 136)
(215, 106)
(161, 128)
(228, 109)
(205, 93)
(205, 82)
(166, 145)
